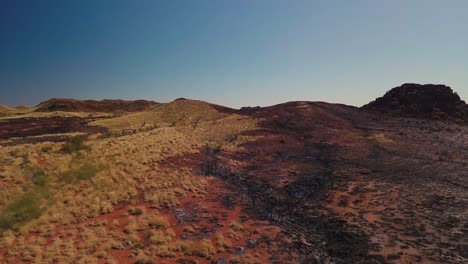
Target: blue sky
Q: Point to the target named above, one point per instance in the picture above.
(235, 53)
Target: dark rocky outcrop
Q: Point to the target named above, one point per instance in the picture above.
(429, 101)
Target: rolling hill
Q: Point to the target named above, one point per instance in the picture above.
(180, 112)
(107, 106)
(194, 182)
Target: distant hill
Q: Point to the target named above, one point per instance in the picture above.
(178, 112)
(429, 101)
(73, 105)
(22, 108)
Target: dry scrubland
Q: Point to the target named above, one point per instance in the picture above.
(10, 113)
(178, 113)
(191, 182)
(118, 198)
(13, 114)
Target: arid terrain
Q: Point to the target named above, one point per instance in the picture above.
(192, 182)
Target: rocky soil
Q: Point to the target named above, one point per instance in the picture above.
(357, 187)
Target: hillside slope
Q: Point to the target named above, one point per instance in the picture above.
(341, 177)
(108, 106)
(181, 112)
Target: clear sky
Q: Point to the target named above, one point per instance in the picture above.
(231, 52)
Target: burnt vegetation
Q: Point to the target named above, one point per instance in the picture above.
(292, 206)
(25, 130)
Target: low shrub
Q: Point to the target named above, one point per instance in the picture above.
(136, 211)
(46, 149)
(158, 237)
(236, 226)
(28, 206)
(85, 172)
(75, 145)
(221, 241)
(40, 178)
(23, 209)
(202, 248)
(230, 138)
(189, 229)
(158, 222)
(211, 164)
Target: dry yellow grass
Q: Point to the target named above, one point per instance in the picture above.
(380, 138)
(132, 172)
(29, 113)
(202, 248)
(177, 113)
(223, 243)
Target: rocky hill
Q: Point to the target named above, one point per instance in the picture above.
(72, 105)
(429, 101)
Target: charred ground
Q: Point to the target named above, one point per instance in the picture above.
(356, 187)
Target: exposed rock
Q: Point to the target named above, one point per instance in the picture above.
(240, 250)
(219, 261)
(430, 101)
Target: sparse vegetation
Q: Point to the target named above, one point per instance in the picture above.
(29, 205)
(158, 222)
(230, 138)
(195, 122)
(136, 211)
(38, 176)
(202, 249)
(120, 195)
(84, 172)
(138, 196)
(222, 242)
(75, 145)
(211, 164)
(46, 149)
(189, 229)
(236, 226)
(23, 209)
(380, 138)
